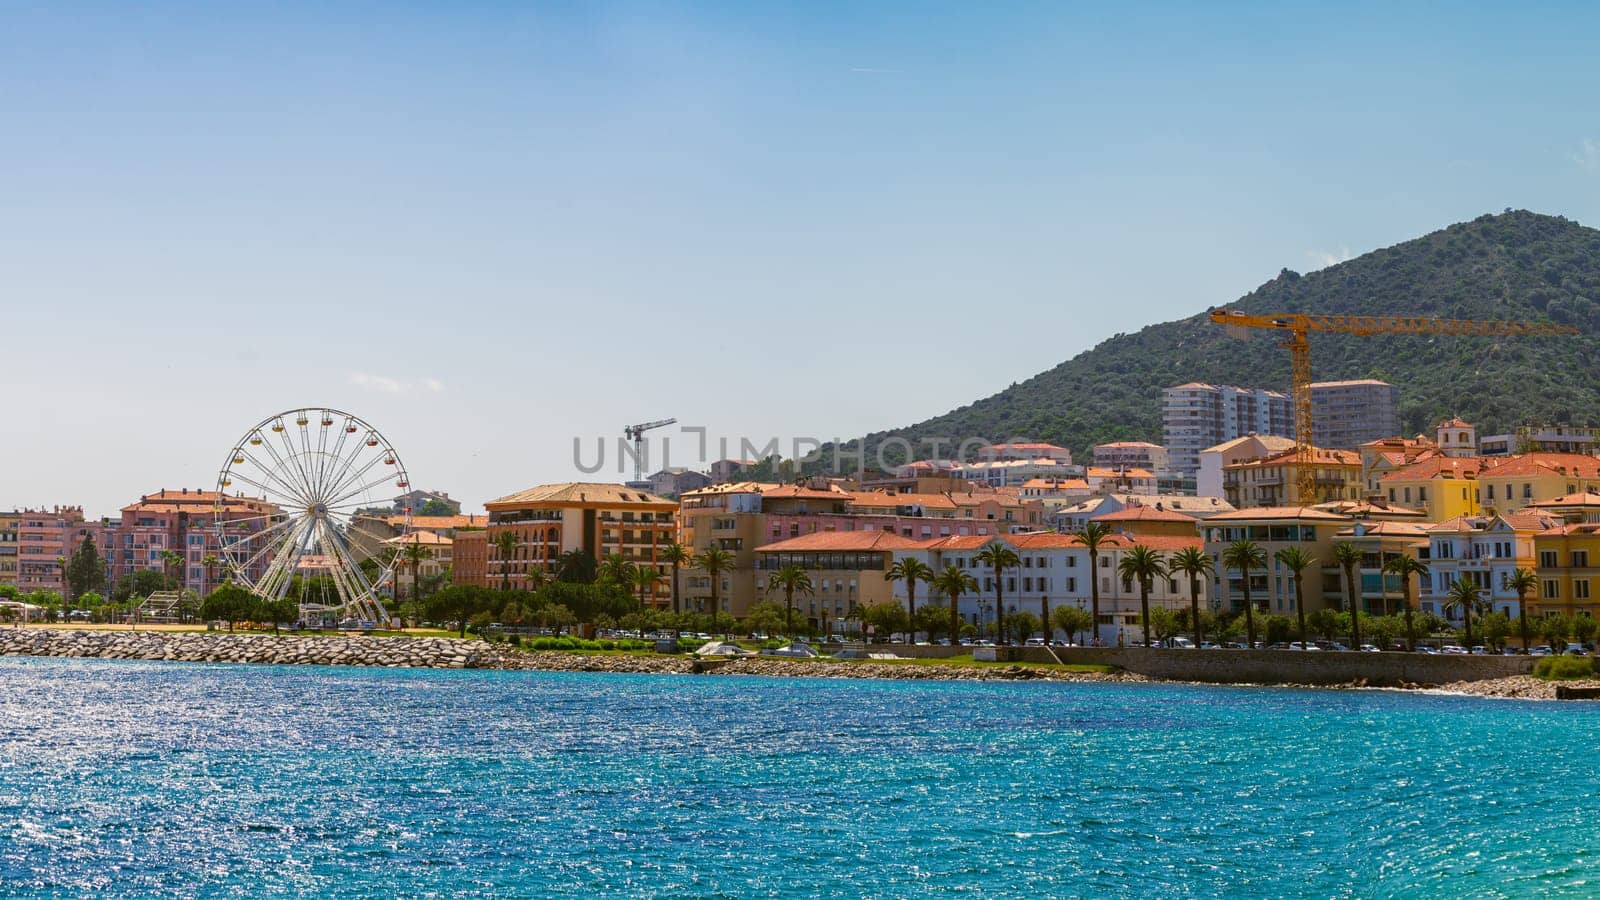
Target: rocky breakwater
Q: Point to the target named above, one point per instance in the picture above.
(198, 646)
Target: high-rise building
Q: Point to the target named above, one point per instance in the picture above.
(1347, 414)
(1196, 416)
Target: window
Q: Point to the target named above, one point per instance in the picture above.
(1548, 559)
(1552, 589)
(1491, 492)
(1527, 492)
(1580, 559)
(1580, 589)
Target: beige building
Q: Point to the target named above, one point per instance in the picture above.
(1214, 459)
(598, 519)
(1275, 480)
(1506, 487)
(1131, 455)
(437, 559)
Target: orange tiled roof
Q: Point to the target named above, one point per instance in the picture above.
(441, 521)
(1574, 465)
(1278, 512)
(1387, 529)
(1144, 514)
(843, 541)
(423, 538)
(1319, 457)
(1433, 467)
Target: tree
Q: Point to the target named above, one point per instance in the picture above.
(1582, 628)
(910, 570)
(1465, 596)
(413, 553)
(1554, 630)
(1092, 536)
(644, 578)
(141, 584)
(952, 583)
(1022, 625)
(885, 618)
(433, 506)
(1523, 582)
(999, 557)
(714, 561)
(228, 603)
(790, 579)
(1328, 623)
(1142, 565)
(1496, 628)
(1297, 561)
(172, 565)
(615, 569)
(677, 556)
(1164, 623)
(457, 603)
(1246, 556)
(577, 567)
(505, 543)
(86, 571)
(276, 611)
(1405, 567)
(932, 620)
(765, 617)
(210, 561)
(1072, 620)
(1195, 564)
(1348, 556)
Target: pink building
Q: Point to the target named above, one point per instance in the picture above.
(185, 521)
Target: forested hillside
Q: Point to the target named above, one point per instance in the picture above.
(1518, 265)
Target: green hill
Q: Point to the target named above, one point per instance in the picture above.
(1518, 265)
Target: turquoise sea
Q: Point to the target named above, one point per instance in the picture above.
(126, 779)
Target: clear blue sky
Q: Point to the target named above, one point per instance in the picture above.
(489, 228)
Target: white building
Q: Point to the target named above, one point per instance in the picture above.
(1196, 416)
(1484, 550)
(1210, 480)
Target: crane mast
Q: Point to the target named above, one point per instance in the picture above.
(635, 433)
(1298, 325)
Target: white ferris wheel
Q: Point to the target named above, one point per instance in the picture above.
(289, 494)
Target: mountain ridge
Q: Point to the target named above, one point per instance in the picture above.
(1514, 265)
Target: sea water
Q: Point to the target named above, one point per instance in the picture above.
(131, 779)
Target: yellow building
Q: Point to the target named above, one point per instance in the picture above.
(1275, 480)
(846, 570)
(1569, 570)
(1444, 487)
(1274, 528)
(1535, 477)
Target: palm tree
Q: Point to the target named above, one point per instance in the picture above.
(952, 583)
(1523, 582)
(1465, 596)
(1193, 562)
(576, 566)
(999, 557)
(1349, 556)
(210, 561)
(677, 556)
(506, 543)
(1092, 536)
(1298, 561)
(1143, 565)
(537, 578)
(1245, 556)
(714, 561)
(1405, 567)
(414, 553)
(172, 564)
(790, 579)
(644, 578)
(616, 569)
(910, 570)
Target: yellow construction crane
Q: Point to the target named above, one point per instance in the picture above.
(1298, 325)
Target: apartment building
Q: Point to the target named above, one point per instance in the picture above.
(1445, 487)
(1196, 416)
(8, 546)
(1542, 439)
(846, 568)
(1312, 530)
(600, 519)
(1347, 414)
(437, 556)
(1131, 455)
(1275, 480)
(1512, 484)
(185, 521)
(1214, 459)
(1484, 550)
(1568, 560)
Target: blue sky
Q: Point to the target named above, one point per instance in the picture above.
(489, 228)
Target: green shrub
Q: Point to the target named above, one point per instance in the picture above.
(1564, 668)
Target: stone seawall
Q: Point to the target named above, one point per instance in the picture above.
(220, 646)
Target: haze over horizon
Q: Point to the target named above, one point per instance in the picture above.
(488, 229)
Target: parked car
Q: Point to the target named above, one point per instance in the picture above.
(1034, 642)
(1541, 650)
(1180, 643)
(1368, 648)
(1300, 645)
(1575, 650)
(1424, 648)
(1235, 645)
(1209, 645)
(1452, 650)
(1480, 650)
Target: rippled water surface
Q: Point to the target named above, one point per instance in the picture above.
(146, 779)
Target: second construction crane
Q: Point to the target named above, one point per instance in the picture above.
(1298, 325)
(635, 433)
